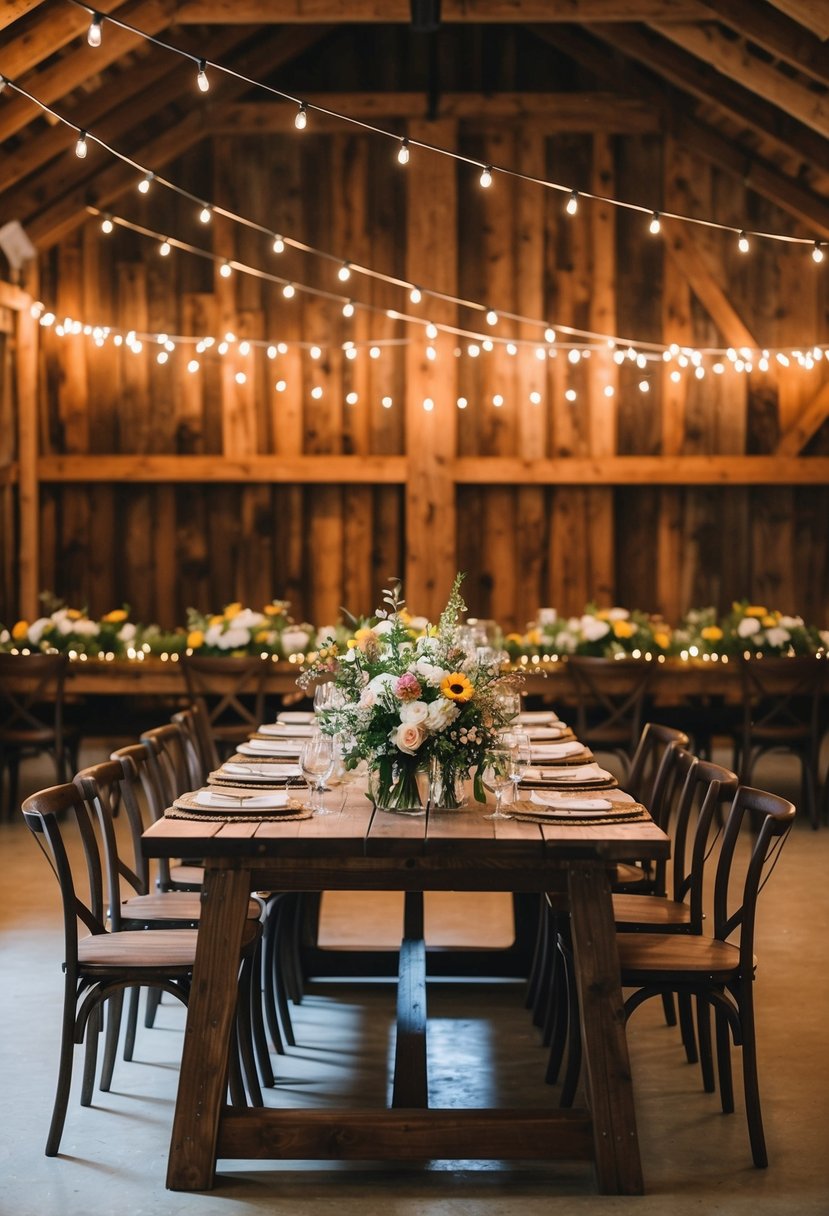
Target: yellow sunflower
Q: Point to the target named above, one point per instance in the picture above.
(457, 687)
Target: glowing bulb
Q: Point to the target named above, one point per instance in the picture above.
(281, 385)
(570, 395)
(511, 348)
(742, 243)
(655, 226)
(344, 273)
(201, 79)
(644, 387)
(193, 366)
(431, 353)
(492, 317)
(316, 392)
(535, 398)
(351, 398)
(431, 331)
(107, 225)
(315, 352)
(278, 244)
(348, 309)
(609, 390)
(351, 352)
(289, 291)
(428, 404)
(486, 182)
(222, 348)
(540, 353)
(718, 369)
(374, 352)
(386, 402)
(487, 345)
(205, 214)
(162, 357)
(574, 356)
(144, 184)
(473, 350)
(498, 400)
(240, 378)
(164, 249)
(699, 372)
(301, 120)
(572, 203)
(676, 376)
(93, 34)
(271, 352)
(549, 335)
(817, 252)
(403, 152)
(415, 295)
(225, 270)
(80, 146)
(462, 403)
(244, 348)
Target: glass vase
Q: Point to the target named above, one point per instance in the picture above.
(392, 784)
(447, 785)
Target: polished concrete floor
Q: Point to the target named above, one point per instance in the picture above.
(483, 1050)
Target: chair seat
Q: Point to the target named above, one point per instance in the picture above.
(627, 875)
(192, 876)
(654, 958)
(171, 906)
(174, 948)
(652, 911)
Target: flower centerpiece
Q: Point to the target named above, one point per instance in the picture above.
(70, 631)
(754, 628)
(238, 631)
(409, 703)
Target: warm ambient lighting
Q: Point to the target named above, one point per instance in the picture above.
(164, 249)
(403, 152)
(486, 182)
(742, 243)
(655, 225)
(144, 184)
(107, 225)
(817, 252)
(572, 203)
(415, 295)
(278, 244)
(301, 120)
(93, 34)
(344, 273)
(225, 270)
(205, 214)
(80, 146)
(201, 79)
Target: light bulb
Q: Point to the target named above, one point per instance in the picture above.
(107, 225)
(374, 352)
(511, 348)
(244, 348)
(289, 291)
(344, 273)
(462, 403)
(387, 402)
(574, 356)
(316, 392)
(473, 350)
(301, 120)
(281, 385)
(644, 387)
(351, 398)
(486, 176)
(164, 248)
(403, 152)
(572, 203)
(699, 372)
(201, 79)
(278, 244)
(428, 404)
(144, 184)
(93, 34)
(162, 357)
(315, 352)
(817, 252)
(193, 366)
(549, 335)
(205, 214)
(240, 378)
(498, 400)
(571, 394)
(431, 353)
(415, 295)
(348, 309)
(742, 243)
(80, 146)
(492, 317)
(535, 398)
(655, 224)
(225, 270)
(431, 331)
(609, 390)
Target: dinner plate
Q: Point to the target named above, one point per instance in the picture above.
(298, 717)
(537, 717)
(270, 747)
(287, 730)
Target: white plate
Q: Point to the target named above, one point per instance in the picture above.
(269, 747)
(298, 717)
(287, 730)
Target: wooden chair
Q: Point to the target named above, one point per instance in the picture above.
(781, 700)
(231, 695)
(658, 768)
(199, 758)
(610, 700)
(31, 717)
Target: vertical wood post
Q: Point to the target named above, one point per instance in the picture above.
(431, 435)
(28, 490)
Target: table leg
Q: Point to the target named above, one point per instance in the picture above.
(203, 1078)
(410, 1088)
(608, 1079)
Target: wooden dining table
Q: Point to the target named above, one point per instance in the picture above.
(359, 847)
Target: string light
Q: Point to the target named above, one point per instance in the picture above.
(93, 34)
(289, 291)
(571, 394)
(80, 146)
(743, 243)
(492, 317)
(486, 176)
(164, 249)
(462, 403)
(240, 378)
(351, 398)
(225, 270)
(145, 183)
(301, 120)
(205, 214)
(278, 245)
(572, 203)
(348, 309)
(655, 225)
(428, 404)
(415, 295)
(549, 336)
(201, 78)
(403, 152)
(817, 252)
(107, 225)
(344, 273)
(193, 366)
(431, 331)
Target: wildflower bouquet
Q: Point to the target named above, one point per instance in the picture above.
(70, 631)
(408, 702)
(755, 628)
(240, 631)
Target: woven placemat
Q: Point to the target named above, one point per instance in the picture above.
(629, 812)
(609, 783)
(586, 757)
(278, 783)
(186, 806)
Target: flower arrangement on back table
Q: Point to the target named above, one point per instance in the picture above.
(409, 701)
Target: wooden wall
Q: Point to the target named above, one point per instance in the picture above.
(459, 489)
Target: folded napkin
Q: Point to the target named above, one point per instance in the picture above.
(537, 717)
(288, 730)
(277, 770)
(580, 774)
(269, 747)
(561, 802)
(231, 799)
(298, 717)
(556, 751)
(546, 732)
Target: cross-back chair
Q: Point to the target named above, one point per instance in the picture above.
(610, 701)
(231, 694)
(32, 717)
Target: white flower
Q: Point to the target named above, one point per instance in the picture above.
(427, 645)
(594, 629)
(232, 639)
(126, 633)
(325, 636)
(212, 635)
(430, 672)
(748, 626)
(574, 624)
(64, 623)
(295, 640)
(414, 712)
(37, 628)
(418, 623)
(383, 627)
(351, 655)
(546, 616)
(440, 714)
(85, 628)
(824, 636)
(790, 622)
(408, 736)
(618, 614)
(777, 636)
(368, 698)
(566, 641)
(384, 680)
(246, 619)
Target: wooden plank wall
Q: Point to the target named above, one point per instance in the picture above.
(162, 547)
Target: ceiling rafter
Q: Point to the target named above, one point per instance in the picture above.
(286, 12)
(812, 13)
(14, 9)
(775, 33)
(42, 33)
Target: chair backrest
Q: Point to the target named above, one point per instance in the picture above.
(647, 762)
(230, 692)
(610, 698)
(141, 774)
(781, 692)
(775, 816)
(51, 815)
(31, 695)
(169, 749)
(96, 784)
(706, 789)
(198, 757)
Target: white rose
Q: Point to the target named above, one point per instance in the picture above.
(748, 626)
(790, 622)
(383, 627)
(85, 628)
(232, 639)
(126, 633)
(594, 629)
(778, 637)
(408, 737)
(418, 623)
(618, 614)
(212, 635)
(64, 623)
(426, 645)
(247, 619)
(295, 640)
(414, 712)
(36, 629)
(384, 680)
(430, 672)
(546, 616)
(440, 714)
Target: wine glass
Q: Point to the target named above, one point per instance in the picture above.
(509, 702)
(317, 760)
(497, 777)
(520, 749)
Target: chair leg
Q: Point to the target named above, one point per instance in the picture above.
(706, 1060)
(668, 1009)
(538, 962)
(113, 1029)
(269, 964)
(724, 1063)
(282, 965)
(93, 1033)
(260, 1042)
(292, 963)
(574, 1048)
(67, 1050)
(555, 1028)
(153, 1002)
(750, 1080)
(244, 1035)
(132, 1023)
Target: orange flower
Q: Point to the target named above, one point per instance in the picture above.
(456, 687)
(115, 617)
(624, 629)
(711, 633)
(195, 639)
(20, 631)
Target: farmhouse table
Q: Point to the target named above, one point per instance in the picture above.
(361, 848)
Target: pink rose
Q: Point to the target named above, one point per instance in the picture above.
(408, 737)
(408, 687)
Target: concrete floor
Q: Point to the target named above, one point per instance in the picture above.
(696, 1160)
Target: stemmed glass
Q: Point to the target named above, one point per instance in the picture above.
(317, 760)
(520, 749)
(497, 776)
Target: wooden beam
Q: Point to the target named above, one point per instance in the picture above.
(28, 496)
(40, 35)
(255, 12)
(811, 13)
(9, 474)
(775, 33)
(13, 9)
(13, 297)
(811, 419)
(288, 470)
(572, 112)
(477, 470)
(736, 63)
